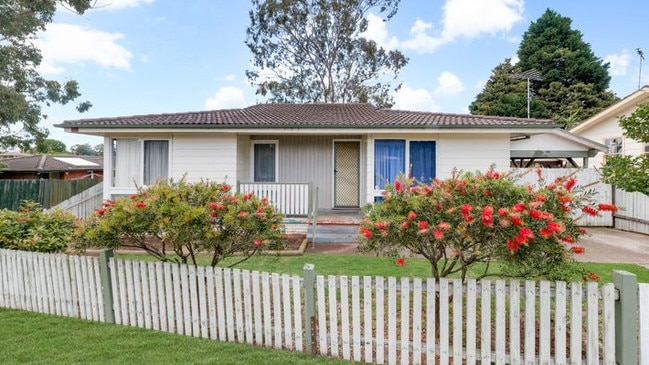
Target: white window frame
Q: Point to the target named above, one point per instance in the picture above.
(141, 172)
(407, 167)
(645, 149)
(252, 156)
(609, 144)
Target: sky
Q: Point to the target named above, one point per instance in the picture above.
(165, 56)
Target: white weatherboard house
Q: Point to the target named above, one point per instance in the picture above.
(349, 151)
(604, 127)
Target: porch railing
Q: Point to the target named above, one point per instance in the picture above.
(291, 199)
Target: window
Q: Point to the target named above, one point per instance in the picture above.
(390, 156)
(139, 162)
(646, 148)
(264, 154)
(614, 145)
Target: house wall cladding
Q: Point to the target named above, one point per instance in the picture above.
(204, 157)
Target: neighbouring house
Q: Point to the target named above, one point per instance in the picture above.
(52, 167)
(349, 151)
(604, 127)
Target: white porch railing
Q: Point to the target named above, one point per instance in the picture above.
(291, 199)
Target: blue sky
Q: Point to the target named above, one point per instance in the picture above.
(164, 56)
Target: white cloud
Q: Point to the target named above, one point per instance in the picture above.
(226, 97)
(120, 4)
(410, 99)
(378, 32)
(460, 19)
(64, 44)
(619, 62)
(449, 84)
(227, 78)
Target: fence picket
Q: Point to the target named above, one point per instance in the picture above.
(471, 316)
(457, 322)
(202, 302)
(380, 318)
(238, 305)
(416, 320)
(514, 322)
(575, 322)
(322, 315)
(544, 321)
(485, 322)
(356, 318)
(530, 322)
(138, 291)
(443, 321)
(265, 293)
(277, 310)
(186, 296)
(78, 279)
(53, 269)
(151, 320)
(121, 310)
(193, 299)
(157, 274)
(286, 306)
(211, 302)
(405, 321)
(344, 318)
(560, 323)
(500, 322)
(333, 315)
(68, 303)
(297, 313)
(592, 324)
(392, 320)
(247, 306)
(257, 305)
(367, 318)
(229, 307)
(170, 299)
(49, 280)
(220, 304)
(178, 299)
(643, 319)
(608, 326)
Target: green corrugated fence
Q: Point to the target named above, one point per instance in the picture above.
(47, 193)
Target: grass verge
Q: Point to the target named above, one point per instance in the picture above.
(34, 338)
(361, 265)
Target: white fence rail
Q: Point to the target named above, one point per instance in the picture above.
(371, 319)
(84, 204)
(54, 284)
(291, 199)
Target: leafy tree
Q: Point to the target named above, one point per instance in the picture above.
(50, 146)
(98, 150)
(574, 83)
(316, 52)
(84, 149)
(506, 95)
(23, 91)
(631, 173)
(483, 218)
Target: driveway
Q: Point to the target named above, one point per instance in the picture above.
(611, 245)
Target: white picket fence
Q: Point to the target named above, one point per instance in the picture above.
(371, 319)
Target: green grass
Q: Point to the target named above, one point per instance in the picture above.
(34, 338)
(360, 265)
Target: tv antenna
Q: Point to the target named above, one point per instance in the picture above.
(641, 55)
(533, 75)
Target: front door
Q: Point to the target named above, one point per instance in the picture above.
(347, 174)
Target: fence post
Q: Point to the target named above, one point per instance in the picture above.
(626, 318)
(106, 286)
(309, 309)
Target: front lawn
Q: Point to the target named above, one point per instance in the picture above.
(34, 338)
(361, 265)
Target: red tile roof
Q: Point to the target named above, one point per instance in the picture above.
(308, 116)
(53, 163)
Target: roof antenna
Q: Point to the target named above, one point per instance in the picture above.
(641, 54)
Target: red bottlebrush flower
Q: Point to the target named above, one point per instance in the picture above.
(242, 214)
(540, 198)
(577, 249)
(552, 186)
(259, 214)
(233, 200)
(401, 262)
(569, 183)
(516, 220)
(428, 189)
(502, 212)
(213, 214)
(582, 230)
(512, 245)
(133, 197)
(225, 187)
(412, 216)
(444, 226)
(140, 205)
(404, 226)
(466, 209)
(397, 185)
(438, 234)
(519, 207)
(590, 210)
(568, 239)
(488, 209)
(487, 220)
(247, 196)
(101, 211)
(380, 225)
(564, 199)
(422, 225)
(504, 223)
(366, 232)
(414, 189)
(536, 214)
(264, 201)
(545, 232)
(213, 205)
(257, 242)
(487, 192)
(607, 207)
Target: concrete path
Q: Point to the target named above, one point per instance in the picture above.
(603, 244)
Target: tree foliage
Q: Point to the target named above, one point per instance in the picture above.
(314, 51)
(483, 218)
(574, 83)
(49, 146)
(175, 221)
(631, 173)
(23, 91)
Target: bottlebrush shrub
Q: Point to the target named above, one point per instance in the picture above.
(32, 229)
(488, 218)
(174, 221)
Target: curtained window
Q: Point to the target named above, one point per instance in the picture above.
(126, 162)
(265, 161)
(422, 161)
(389, 160)
(156, 161)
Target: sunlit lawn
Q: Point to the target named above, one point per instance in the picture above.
(361, 265)
(34, 338)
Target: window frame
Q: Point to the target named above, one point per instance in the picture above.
(252, 158)
(407, 168)
(114, 155)
(142, 159)
(608, 142)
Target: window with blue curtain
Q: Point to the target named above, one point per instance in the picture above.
(422, 161)
(389, 160)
